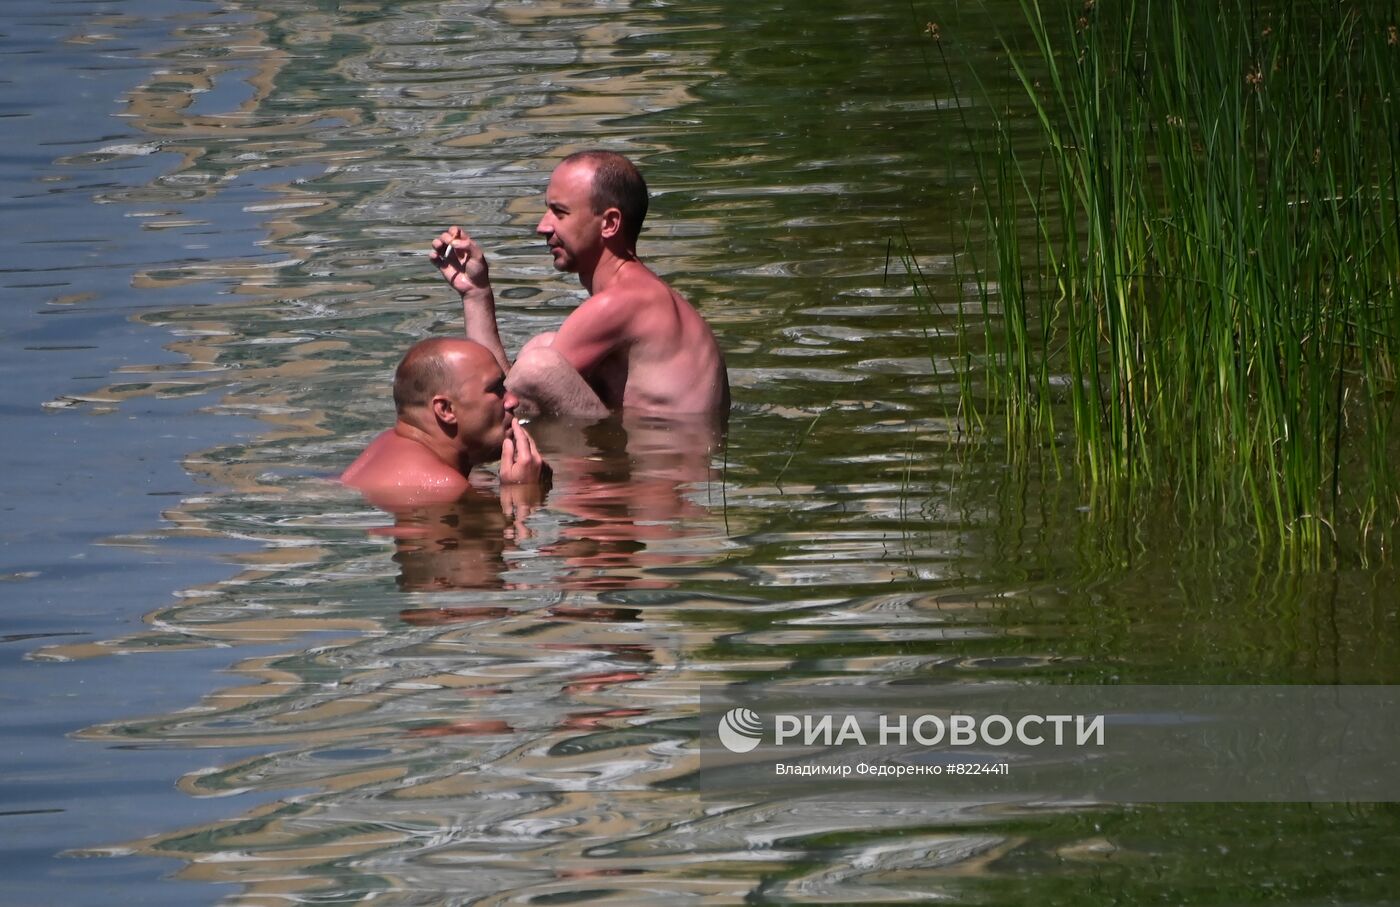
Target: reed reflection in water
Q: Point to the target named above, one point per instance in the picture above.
(494, 702)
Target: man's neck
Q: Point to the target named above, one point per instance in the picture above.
(440, 448)
(604, 272)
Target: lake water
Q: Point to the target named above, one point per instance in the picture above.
(223, 681)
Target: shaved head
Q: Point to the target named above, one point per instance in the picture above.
(432, 367)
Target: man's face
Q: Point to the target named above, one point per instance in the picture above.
(569, 226)
(482, 405)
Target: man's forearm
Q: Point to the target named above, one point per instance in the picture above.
(479, 316)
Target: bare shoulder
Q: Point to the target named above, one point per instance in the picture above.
(638, 299)
(628, 295)
(614, 312)
(644, 285)
(365, 462)
(394, 471)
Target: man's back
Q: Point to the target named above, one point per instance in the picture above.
(645, 347)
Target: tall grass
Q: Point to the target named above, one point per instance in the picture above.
(1196, 263)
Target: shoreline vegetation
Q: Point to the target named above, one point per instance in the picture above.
(1187, 263)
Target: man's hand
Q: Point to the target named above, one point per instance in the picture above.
(463, 264)
(521, 463)
(461, 261)
(517, 503)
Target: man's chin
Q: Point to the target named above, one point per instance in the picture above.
(487, 453)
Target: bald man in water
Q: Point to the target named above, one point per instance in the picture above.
(634, 343)
(454, 413)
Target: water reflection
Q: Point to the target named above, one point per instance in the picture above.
(638, 493)
(460, 545)
(493, 702)
(500, 702)
(626, 497)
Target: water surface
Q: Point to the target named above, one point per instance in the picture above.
(494, 702)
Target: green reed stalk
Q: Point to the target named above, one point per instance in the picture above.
(1212, 271)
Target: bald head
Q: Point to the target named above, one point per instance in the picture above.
(437, 366)
(454, 413)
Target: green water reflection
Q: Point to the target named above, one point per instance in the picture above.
(488, 712)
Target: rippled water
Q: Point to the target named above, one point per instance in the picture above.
(475, 706)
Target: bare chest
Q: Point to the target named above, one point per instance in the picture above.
(609, 379)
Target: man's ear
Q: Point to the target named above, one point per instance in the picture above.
(443, 410)
(612, 222)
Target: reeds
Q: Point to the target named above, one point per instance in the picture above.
(1195, 264)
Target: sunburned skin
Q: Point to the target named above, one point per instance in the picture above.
(670, 364)
(625, 487)
(395, 472)
(454, 413)
(634, 344)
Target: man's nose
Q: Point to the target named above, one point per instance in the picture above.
(511, 402)
(543, 227)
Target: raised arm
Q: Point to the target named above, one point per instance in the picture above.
(595, 330)
(463, 265)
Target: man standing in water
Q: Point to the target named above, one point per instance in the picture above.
(454, 413)
(634, 343)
